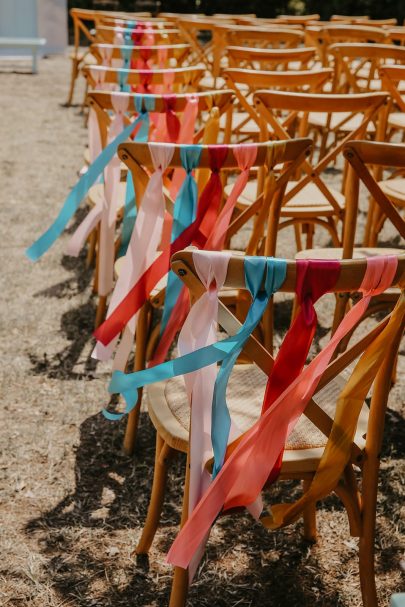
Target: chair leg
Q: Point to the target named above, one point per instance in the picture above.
(74, 74)
(162, 460)
(101, 310)
(141, 342)
(366, 542)
(178, 595)
(309, 516)
(91, 249)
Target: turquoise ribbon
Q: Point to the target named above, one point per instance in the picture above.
(79, 191)
(184, 212)
(128, 35)
(123, 72)
(128, 384)
(257, 270)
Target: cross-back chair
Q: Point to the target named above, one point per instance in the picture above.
(210, 108)
(392, 79)
(324, 36)
(310, 448)
(138, 159)
(246, 122)
(158, 55)
(310, 201)
(81, 27)
(270, 59)
(361, 156)
(356, 65)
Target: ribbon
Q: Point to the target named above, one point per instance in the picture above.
(200, 330)
(351, 400)
(126, 52)
(183, 214)
(79, 191)
(246, 470)
(246, 157)
(314, 279)
(186, 135)
(129, 215)
(257, 269)
(197, 232)
(141, 125)
(144, 241)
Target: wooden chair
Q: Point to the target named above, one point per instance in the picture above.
(258, 37)
(81, 26)
(392, 81)
(181, 79)
(159, 55)
(246, 121)
(211, 106)
(356, 65)
(137, 157)
(108, 34)
(170, 414)
(270, 59)
(322, 37)
(310, 201)
(359, 154)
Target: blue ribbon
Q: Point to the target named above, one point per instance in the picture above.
(257, 269)
(128, 384)
(123, 72)
(79, 191)
(184, 213)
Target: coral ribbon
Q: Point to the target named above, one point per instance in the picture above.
(314, 279)
(245, 472)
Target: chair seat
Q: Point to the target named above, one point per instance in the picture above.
(305, 203)
(96, 194)
(395, 190)
(170, 413)
(238, 118)
(319, 119)
(396, 120)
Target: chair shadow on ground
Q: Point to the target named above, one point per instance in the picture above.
(77, 324)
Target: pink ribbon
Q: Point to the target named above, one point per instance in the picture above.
(245, 472)
(145, 239)
(199, 330)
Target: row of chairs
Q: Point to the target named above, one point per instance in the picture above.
(281, 134)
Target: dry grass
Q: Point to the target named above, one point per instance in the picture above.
(72, 505)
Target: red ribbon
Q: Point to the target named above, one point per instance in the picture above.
(197, 232)
(314, 279)
(172, 120)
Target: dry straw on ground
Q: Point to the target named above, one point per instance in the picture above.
(71, 505)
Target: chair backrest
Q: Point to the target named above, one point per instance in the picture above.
(363, 155)
(298, 106)
(259, 37)
(298, 19)
(245, 82)
(356, 65)
(109, 34)
(324, 36)
(391, 76)
(181, 79)
(159, 55)
(269, 59)
(350, 279)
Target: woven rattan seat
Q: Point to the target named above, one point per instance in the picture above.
(170, 412)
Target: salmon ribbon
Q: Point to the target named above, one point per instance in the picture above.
(177, 304)
(247, 468)
(89, 178)
(196, 232)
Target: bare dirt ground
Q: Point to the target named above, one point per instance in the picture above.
(71, 505)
